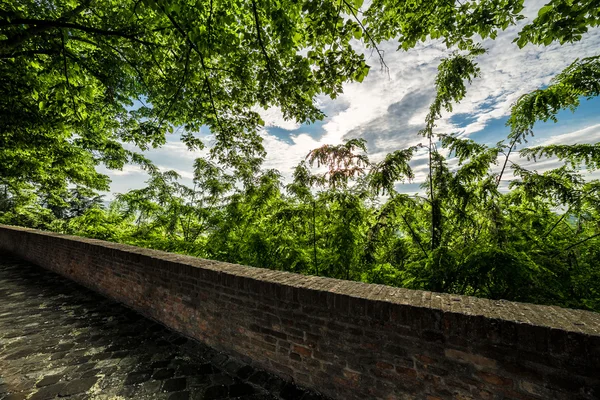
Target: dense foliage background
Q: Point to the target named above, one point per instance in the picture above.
(70, 72)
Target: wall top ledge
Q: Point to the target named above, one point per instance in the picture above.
(549, 317)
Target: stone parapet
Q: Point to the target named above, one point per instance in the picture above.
(348, 340)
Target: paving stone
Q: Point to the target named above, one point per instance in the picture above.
(137, 377)
(174, 385)
(129, 363)
(291, 392)
(81, 396)
(219, 359)
(274, 385)
(86, 367)
(79, 360)
(64, 347)
(100, 357)
(245, 372)
(240, 389)
(92, 372)
(160, 364)
(21, 353)
(259, 378)
(232, 366)
(58, 340)
(78, 386)
(163, 374)
(200, 381)
(119, 354)
(189, 370)
(150, 387)
(222, 379)
(24, 384)
(48, 392)
(127, 392)
(179, 396)
(16, 396)
(49, 380)
(216, 392)
(58, 356)
(107, 363)
(180, 340)
(313, 396)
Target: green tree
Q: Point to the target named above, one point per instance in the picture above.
(79, 78)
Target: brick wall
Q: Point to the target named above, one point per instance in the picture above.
(346, 339)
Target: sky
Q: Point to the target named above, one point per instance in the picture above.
(388, 109)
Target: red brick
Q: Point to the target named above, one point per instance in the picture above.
(494, 379)
(406, 371)
(304, 351)
(384, 365)
(347, 342)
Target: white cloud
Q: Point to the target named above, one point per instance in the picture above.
(284, 156)
(591, 134)
(125, 171)
(273, 117)
(388, 110)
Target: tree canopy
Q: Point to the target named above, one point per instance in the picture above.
(85, 76)
(80, 78)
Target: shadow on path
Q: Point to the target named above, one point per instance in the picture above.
(60, 340)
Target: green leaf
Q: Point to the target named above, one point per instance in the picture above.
(544, 10)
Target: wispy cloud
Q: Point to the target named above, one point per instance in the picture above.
(389, 109)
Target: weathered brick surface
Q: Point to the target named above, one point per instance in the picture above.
(59, 339)
(347, 339)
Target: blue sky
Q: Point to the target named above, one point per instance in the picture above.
(389, 109)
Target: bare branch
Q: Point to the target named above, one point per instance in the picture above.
(39, 26)
(373, 43)
(260, 41)
(66, 72)
(119, 52)
(29, 53)
(202, 63)
(179, 88)
(512, 145)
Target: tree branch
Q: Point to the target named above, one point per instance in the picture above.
(29, 53)
(414, 235)
(202, 63)
(379, 52)
(260, 41)
(66, 71)
(39, 26)
(512, 145)
(117, 51)
(580, 242)
(179, 88)
(210, 15)
(102, 78)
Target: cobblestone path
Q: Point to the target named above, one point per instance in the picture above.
(60, 340)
